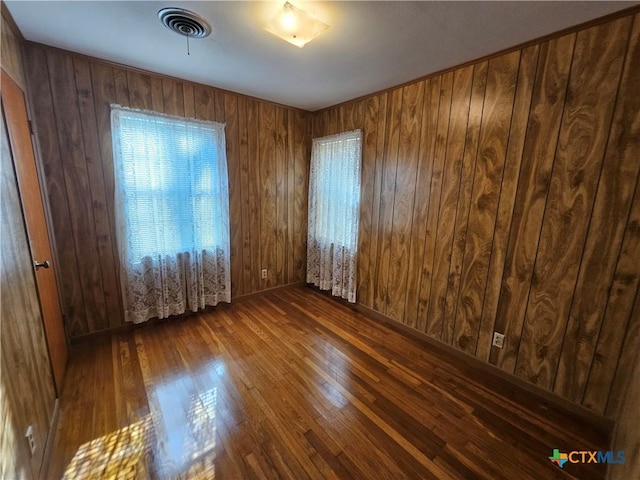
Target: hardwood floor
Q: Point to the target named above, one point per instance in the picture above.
(295, 385)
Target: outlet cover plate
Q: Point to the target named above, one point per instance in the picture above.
(30, 440)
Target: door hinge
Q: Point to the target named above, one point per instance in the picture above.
(32, 130)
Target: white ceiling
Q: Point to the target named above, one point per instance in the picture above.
(370, 46)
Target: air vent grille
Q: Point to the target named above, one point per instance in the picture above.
(184, 22)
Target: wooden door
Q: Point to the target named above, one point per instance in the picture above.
(13, 103)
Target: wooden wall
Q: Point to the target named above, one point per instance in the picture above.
(267, 151)
(24, 362)
(504, 196)
(10, 51)
(627, 437)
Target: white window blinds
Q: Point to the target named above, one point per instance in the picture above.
(334, 203)
(172, 212)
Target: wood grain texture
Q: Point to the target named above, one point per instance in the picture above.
(487, 184)
(205, 103)
(403, 203)
(464, 195)
(290, 197)
(525, 187)
(232, 137)
(249, 275)
(268, 226)
(254, 194)
(387, 196)
(610, 215)
(513, 164)
(549, 90)
(310, 389)
(172, 96)
(71, 97)
(10, 54)
(458, 124)
(281, 196)
(626, 435)
(40, 93)
(76, 182)
(103, 86)
(373, 135)
(425, 323)
(586, 122)
(139, 86)
(189, 100)
(624, 141)
(93, 157)
(24, 363)
(619, 332)
(422, 197)
(219, 115)
(28, 175)
(625, 367)
(302, 152)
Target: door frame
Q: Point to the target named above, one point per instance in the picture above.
(7, 79)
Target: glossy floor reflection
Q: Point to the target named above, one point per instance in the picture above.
(294, 385)
(120, 454)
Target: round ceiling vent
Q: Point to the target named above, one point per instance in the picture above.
(184, 22)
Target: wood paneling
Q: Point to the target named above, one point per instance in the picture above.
(513, 166)
(485, 195)
(500, 197)
(610, 215)
(412, 101)
(75, 170)
(281, 195)
(307, 389)
(464, 195)
(531, 196)
(622, 157)
(374, 180)
(27, 395)
(11, 43)
(626, 437)
(422, 197)
(232, 137)
(586, 123)
(302, 154)
(266, 147)
(27, 391)
(31, 196)
(92, 150)
(449, 195)
(267, 150)
(426, 323)
(387, 197)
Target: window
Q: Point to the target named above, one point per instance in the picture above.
(334, 203)
(171, 208)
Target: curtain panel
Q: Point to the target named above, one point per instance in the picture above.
(172, 213)
(334, 204)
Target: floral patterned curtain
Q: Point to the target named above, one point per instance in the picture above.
(334, 203)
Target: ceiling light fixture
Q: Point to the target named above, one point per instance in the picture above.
(295, 26)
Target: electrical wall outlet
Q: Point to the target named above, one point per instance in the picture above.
(30, 440)
(264, 273)
(498, 340)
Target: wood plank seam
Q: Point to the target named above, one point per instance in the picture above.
(545, 204)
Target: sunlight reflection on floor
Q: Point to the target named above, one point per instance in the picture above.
(185, 446)
(120, 454)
